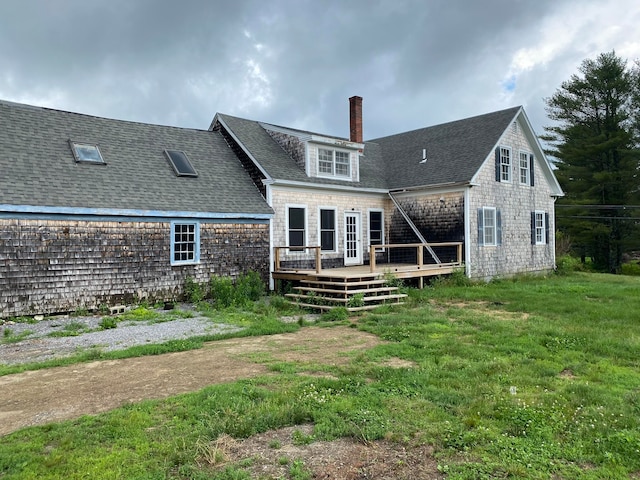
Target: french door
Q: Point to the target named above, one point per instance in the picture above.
(352, 238)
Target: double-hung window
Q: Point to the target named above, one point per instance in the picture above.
(328, 229)
(489, 226)
(526, 168)
(503, 164)
(333, 163)
(539, 228)
(185, 243)
(296, 225)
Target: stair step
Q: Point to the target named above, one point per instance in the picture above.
(349, 309)
(299, 296)
(345, 282)
(347, 292)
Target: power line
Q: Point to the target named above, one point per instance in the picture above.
(593, 217)
(600, 207)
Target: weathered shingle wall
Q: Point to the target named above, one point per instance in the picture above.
(439, 217)
(49, 266)
(515, 202)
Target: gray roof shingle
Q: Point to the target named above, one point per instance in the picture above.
(455, 152)
(281, 166)
(37, 166)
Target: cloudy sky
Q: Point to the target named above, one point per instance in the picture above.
(296, 62)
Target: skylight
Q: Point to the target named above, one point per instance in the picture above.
(180, 163)
(86, 152)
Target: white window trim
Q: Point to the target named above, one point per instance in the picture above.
(333, 173)
(369, 211)
(196, 253)
(306, 225)
(484, 227)
(510, 173)
(542, 229)
(335, 228)
(527, 154)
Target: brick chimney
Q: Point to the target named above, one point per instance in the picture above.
(355, 118)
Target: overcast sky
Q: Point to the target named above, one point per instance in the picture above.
(296, 63)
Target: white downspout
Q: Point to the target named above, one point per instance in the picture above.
(467, 233)
(271, 257)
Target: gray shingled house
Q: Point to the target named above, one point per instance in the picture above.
(477, 193)
(96, 211)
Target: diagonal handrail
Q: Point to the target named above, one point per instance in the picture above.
(414, 228)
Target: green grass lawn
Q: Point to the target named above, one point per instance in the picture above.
(528, 378)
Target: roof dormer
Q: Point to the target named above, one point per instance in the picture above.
(319, 156)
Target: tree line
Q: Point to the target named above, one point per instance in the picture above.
(595, 143)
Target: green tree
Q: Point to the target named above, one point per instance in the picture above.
(595, 143)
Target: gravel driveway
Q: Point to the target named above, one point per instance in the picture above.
(38, 345)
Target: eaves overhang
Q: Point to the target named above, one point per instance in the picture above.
(8, 211)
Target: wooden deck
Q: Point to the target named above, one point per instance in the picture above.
(416, 268)
(397, 270)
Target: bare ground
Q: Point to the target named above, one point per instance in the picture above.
(62, 393)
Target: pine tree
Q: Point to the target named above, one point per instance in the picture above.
(595, 143)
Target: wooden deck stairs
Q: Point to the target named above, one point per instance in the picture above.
(355, 293)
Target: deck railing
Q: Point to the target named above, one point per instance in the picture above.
(412, 255)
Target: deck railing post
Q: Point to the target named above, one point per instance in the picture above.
(372, 258)
(420, 255)
(318, 259)
(277, 259)
(460, 254)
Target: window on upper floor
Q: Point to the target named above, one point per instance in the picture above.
(333, 163)
(526, 168)
(185, 243)
(328, 229)
(296, 227)
(489, 226)
(503, 164)
(539, 228)
(86, 152)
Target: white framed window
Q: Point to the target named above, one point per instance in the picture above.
(333, 163)
(505, 164)
(539, 228)
(185, 243)
(327, 229)
(296, 226)
(526, 163)
(489, 226)
(376, 227)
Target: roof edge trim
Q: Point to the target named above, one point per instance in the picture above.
(326, 186)
(129, 212)
(237, 140)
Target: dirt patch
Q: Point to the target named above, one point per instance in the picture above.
(483, 307)
(272, 454)
(62, 393)
(567, 374)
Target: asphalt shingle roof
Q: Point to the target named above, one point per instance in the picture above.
(281, 166)
(455, 152)
(37, 166)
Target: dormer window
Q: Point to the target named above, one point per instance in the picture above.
(86, 152)
(334, 163)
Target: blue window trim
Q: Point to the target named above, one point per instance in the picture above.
(196, 252)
